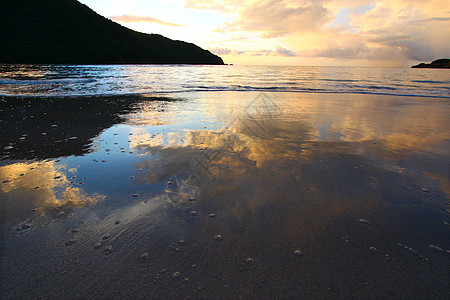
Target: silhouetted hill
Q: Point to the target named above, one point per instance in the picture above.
(68, 32)
(442, 63)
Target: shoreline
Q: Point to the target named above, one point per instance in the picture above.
(164, 93)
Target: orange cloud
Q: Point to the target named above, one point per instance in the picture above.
(138, 19)
(274, 18)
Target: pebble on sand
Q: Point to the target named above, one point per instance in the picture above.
(435, 248)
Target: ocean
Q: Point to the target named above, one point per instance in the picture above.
(145, 79)
(224, 182)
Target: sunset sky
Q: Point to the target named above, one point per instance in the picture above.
(296, 32)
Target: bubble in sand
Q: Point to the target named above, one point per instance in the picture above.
(194, 213)
(70, 242)
(8, 148)
(186, 280)
(145, 255)
(181, 242)
(298, 252)
(364, 221)
(250, 261)
(175, 274)
(218, 237)
(212, 215)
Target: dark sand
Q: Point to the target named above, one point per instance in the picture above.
(225, 195)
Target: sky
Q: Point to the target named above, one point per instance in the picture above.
(296, 32)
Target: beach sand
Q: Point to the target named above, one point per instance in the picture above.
(225, 195)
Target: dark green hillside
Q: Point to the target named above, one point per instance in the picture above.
(443, 63)
(68, 32)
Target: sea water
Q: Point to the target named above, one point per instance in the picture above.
(143, 79)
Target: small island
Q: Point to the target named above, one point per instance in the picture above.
(443, 63)
(69, 32)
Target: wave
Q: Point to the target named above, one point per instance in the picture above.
(45, 81)
(431, 81)
(223, 89)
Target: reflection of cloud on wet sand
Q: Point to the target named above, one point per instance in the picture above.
(284, 173)
(154, 113)
(45, 185)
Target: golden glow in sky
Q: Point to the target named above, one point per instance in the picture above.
(295, 32)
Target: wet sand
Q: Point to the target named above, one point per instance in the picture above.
(225, 196)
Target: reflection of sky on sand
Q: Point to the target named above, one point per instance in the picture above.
(276, 178)
(294, 162)
(245, 135)
(47, 183)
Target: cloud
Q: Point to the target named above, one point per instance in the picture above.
(220, 51)
(275, 18)
(413, 32)
(436, 20)
(388, 30)
(279, 51)
(219, 5)
(350, 51)
(284, 52)
(391, 38)
(137, 19)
